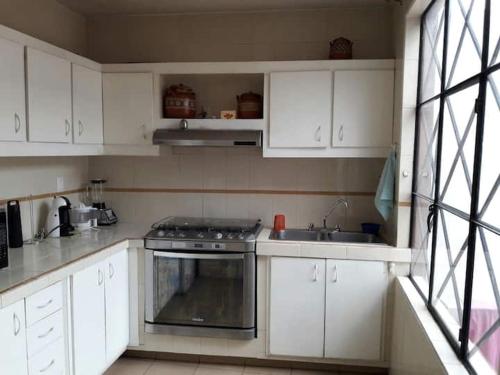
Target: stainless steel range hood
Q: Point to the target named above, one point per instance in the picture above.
(213, 138)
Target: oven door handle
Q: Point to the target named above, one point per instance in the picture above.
(164, 254)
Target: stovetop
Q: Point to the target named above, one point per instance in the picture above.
(205, 229)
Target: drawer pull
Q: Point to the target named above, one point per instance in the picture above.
(17, 324)
(341, 133)
(100, 277)
(334, 274)
(111, 271)
(48, 366)
(43, 335)
(315, 274)
(45, 304)
(17, 123)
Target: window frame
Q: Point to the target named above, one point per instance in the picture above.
(461, 347)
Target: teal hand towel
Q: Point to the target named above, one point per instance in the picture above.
(384, 199)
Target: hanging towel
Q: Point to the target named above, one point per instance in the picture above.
(384, 199)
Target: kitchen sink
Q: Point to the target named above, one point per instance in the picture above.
(323, 235)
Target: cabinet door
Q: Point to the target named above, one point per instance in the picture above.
(300, 109)
(117, 305)
(12, 94)
(13, 355)
(355, 294)
(128, 108)
(363, 108)
(297, 306)
(49, 97)
(89, 329)
(87, 106)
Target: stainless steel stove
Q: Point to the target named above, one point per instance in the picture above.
(201, 277)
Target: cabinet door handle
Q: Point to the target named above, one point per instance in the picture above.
(144, 135)
(341, 133)
(334, 274)
(315, 274)
(48, 366)
(317, 134)
(43, 335)
(100, 277)
(16, 324)
(80, 128)
(17, 123)
(111, 270)
(44, 305)
(67, 127)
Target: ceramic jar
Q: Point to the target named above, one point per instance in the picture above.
(249, 105)
(180, 102)
(340, 49)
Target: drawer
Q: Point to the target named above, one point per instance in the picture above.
(50, 361)
(45, 332)
(44, 303)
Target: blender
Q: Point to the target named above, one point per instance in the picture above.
(105, 216)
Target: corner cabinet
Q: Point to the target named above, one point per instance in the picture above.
(100, 314)
(49, 97)
(87, 106)
(13, 357)
(128, 108)
(300, 109)
(363, 108)
(12, 92)
(327, 308)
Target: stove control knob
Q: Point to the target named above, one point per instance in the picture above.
(218, 236)
(160, 233)
(241, 236)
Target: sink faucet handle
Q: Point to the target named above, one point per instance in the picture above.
(310, 226)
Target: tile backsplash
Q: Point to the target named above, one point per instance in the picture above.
(238, 183)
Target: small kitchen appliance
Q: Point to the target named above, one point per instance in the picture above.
(83, 218)
(58, 221)
(201, 277)
(105, 216)
(14, 227)
(4, 249)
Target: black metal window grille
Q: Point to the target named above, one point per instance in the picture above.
(455, 236)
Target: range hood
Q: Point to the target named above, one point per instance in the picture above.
(213, 138)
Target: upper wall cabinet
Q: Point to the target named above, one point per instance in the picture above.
(363, 108)
(49, 97)
(128, 108)
(87, 106)
(12, 94)
(300, 109)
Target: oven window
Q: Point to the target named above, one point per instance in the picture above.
(199, 292)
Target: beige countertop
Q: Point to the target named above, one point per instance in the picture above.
(335, 250)
(33, 263)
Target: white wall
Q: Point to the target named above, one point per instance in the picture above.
(21, 177)
(239, 183)
(46, 20)
(274, 35)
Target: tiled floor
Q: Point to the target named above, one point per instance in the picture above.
(134, 366)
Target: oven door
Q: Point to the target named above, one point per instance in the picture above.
(215, 290)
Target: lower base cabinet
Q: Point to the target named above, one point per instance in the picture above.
(327, 308)
(13, 354)
(100, 314)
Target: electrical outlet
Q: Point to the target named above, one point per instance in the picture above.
(60, 184)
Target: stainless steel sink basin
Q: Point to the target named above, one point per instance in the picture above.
(323, 235)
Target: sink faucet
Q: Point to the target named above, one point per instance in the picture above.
(337, 203)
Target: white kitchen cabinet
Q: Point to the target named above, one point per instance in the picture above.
(49, 97)
(117, 305)
(89, 321)
(87, 106)
(12, 92)
(297, 305)
(363, 108)
(355, 295)
(13, 358)
(100, 314)
(300, 108)
(128, 108)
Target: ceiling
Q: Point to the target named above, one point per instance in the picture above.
(94, 7)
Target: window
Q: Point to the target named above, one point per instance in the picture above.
(455, 235)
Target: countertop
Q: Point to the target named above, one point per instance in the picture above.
(32, 262)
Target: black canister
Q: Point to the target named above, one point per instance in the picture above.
(14, 224)
(4, 252)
